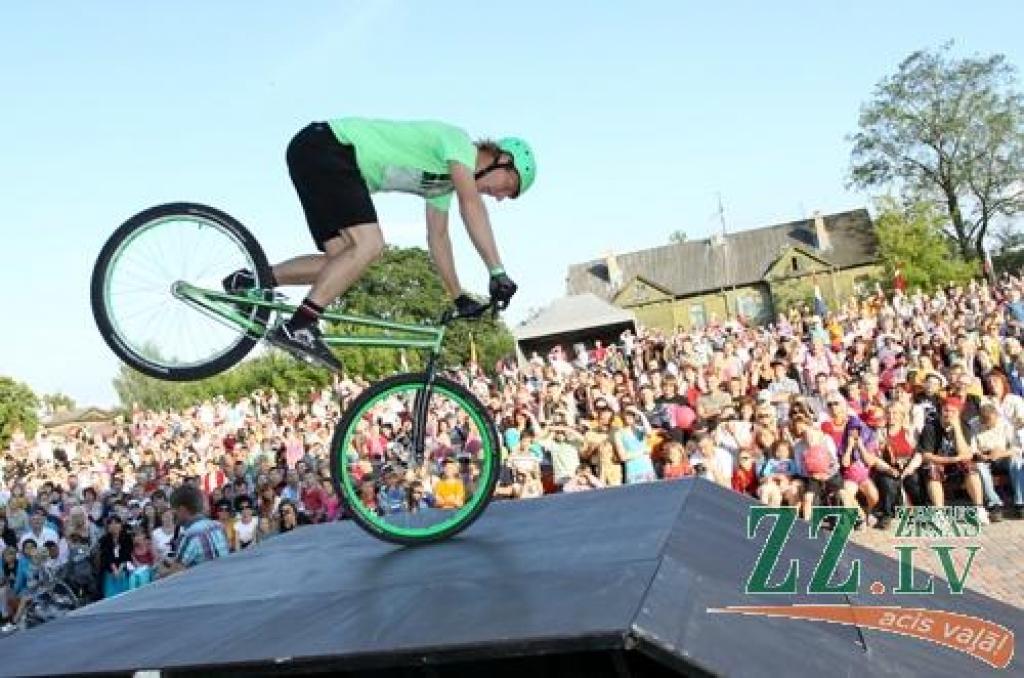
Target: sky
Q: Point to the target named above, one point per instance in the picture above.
(640, 115)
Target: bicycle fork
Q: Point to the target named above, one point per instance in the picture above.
(421, 407)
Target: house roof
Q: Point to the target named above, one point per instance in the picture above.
(572, 313)
(743, 259)
(78, 416)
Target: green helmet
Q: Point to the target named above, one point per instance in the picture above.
(523, 161)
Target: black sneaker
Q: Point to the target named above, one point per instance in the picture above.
(306, 344)
(239, 282)
(884, 523)
(995, 514)
(1018, 513)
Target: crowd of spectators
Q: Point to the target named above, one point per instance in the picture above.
(899, 399)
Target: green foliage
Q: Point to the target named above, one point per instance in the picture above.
(910, 238)
(54, 402)
(792, 292)
(1008, 238)
(272, 370)
(18, 406)
(401, 287)
(948, 131)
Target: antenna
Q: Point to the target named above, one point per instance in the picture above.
(721, 214)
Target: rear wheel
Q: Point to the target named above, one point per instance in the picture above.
(143, 322)
(455, 472)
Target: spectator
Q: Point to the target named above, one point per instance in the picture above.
(995, 446)
(583, 480)
(163, 537)
(450, 493)
(677, 463)
(246, 532)
(38, 530)
(630, 447)
(115, 553)
(201, 539)
(777, 474)
(947, 450)
(224, 512)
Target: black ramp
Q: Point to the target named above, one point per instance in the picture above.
(629, 572)
(529, 573)
(706, 563)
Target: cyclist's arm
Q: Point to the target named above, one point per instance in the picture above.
(474, 214)
(440, 246)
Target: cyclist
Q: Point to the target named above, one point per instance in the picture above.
(335, 167)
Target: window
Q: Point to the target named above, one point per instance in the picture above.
(697, 317)
(750, 306)
(794, 264)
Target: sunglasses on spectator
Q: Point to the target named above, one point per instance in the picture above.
(834, 403)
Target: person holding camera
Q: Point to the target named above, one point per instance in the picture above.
(201, 539)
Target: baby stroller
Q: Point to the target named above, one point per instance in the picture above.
(80, 574)
(49, 598)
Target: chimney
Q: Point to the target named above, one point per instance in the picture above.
(614, 272)
(820, 234)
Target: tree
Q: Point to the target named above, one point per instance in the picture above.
(677, 236)
(1008, 238)
(950, 131)
(18, 405)
(403, 287)
(400, 287)
(910, 238)
(54, 402)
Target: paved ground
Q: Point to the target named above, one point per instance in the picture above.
(998, 568)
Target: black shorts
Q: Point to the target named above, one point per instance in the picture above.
(822, 489)
(326, 175)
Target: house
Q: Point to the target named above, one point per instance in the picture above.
(750, 274)
(69, 422)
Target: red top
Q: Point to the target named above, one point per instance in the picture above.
(745, 480)
(900, 446)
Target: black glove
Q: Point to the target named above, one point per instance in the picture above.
(502, 288)
(468, 307)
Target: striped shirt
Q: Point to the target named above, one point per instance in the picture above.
(201, 540)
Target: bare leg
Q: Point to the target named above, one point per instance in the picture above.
(348, 256)
(299, 270)
(974, 489)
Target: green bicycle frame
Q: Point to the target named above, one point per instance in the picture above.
(223, 307)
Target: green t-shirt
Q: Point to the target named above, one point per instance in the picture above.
(410, 157)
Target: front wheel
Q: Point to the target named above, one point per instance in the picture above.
(402, 495)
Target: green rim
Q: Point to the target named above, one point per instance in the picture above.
(458, 516)
(119, 253)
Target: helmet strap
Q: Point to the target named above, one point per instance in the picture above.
(496, 164)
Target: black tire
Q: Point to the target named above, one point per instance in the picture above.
(492, 457)
(102, 268)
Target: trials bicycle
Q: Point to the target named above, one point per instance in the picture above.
(157, 301)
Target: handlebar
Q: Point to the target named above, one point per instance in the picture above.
(494, 306)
